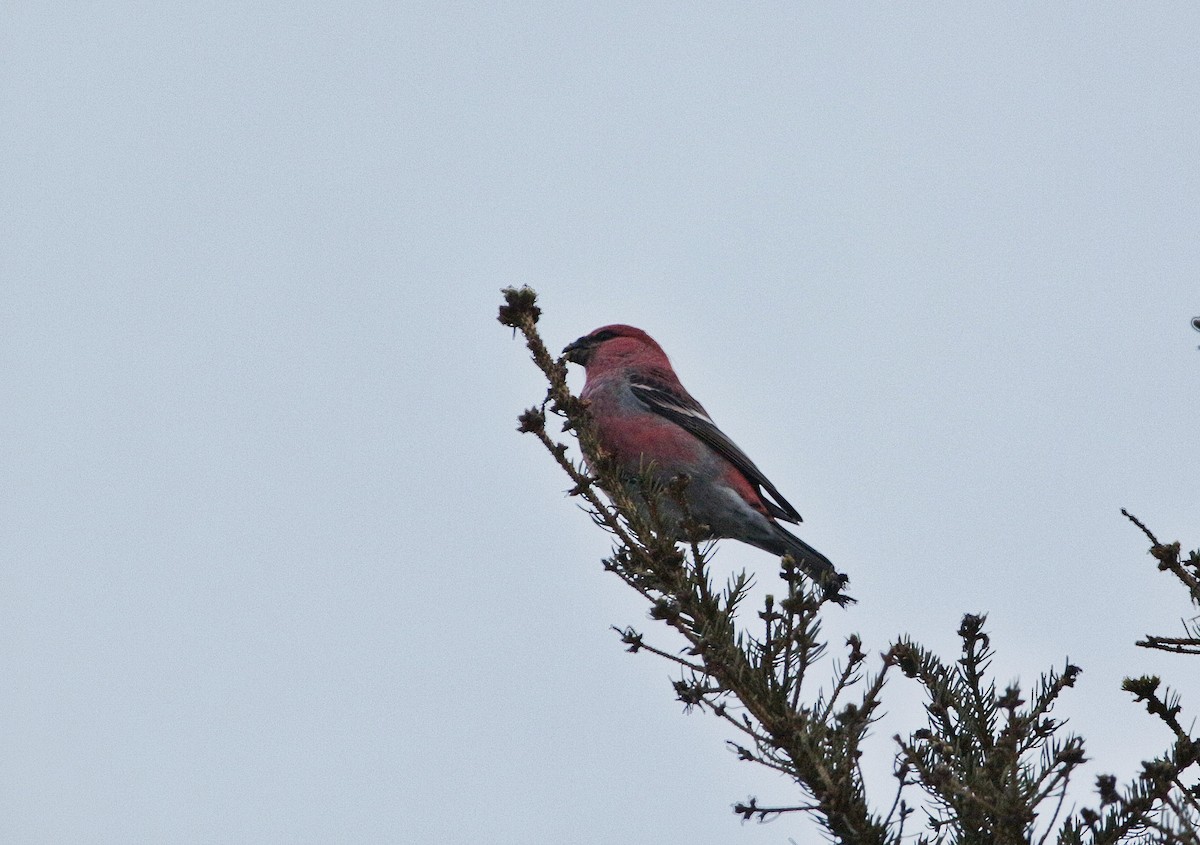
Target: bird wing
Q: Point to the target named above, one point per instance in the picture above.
(680, 408)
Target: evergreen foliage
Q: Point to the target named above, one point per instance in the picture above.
(989, 766)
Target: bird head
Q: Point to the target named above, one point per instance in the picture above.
(609, 345)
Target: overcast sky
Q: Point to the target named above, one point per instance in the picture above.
(275, 566)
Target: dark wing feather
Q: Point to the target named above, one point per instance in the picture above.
(688, 414)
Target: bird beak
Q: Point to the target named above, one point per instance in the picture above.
(578, 352)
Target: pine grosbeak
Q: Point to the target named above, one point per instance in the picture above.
(648, 422)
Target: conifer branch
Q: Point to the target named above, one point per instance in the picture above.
(987, 761)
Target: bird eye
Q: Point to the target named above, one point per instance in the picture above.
(600, 337)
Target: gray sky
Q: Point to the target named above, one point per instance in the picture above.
(275, 566)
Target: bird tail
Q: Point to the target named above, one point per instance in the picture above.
(814, 564)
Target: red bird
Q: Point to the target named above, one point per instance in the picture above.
(645, 418)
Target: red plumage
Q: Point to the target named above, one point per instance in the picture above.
(646, 419)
